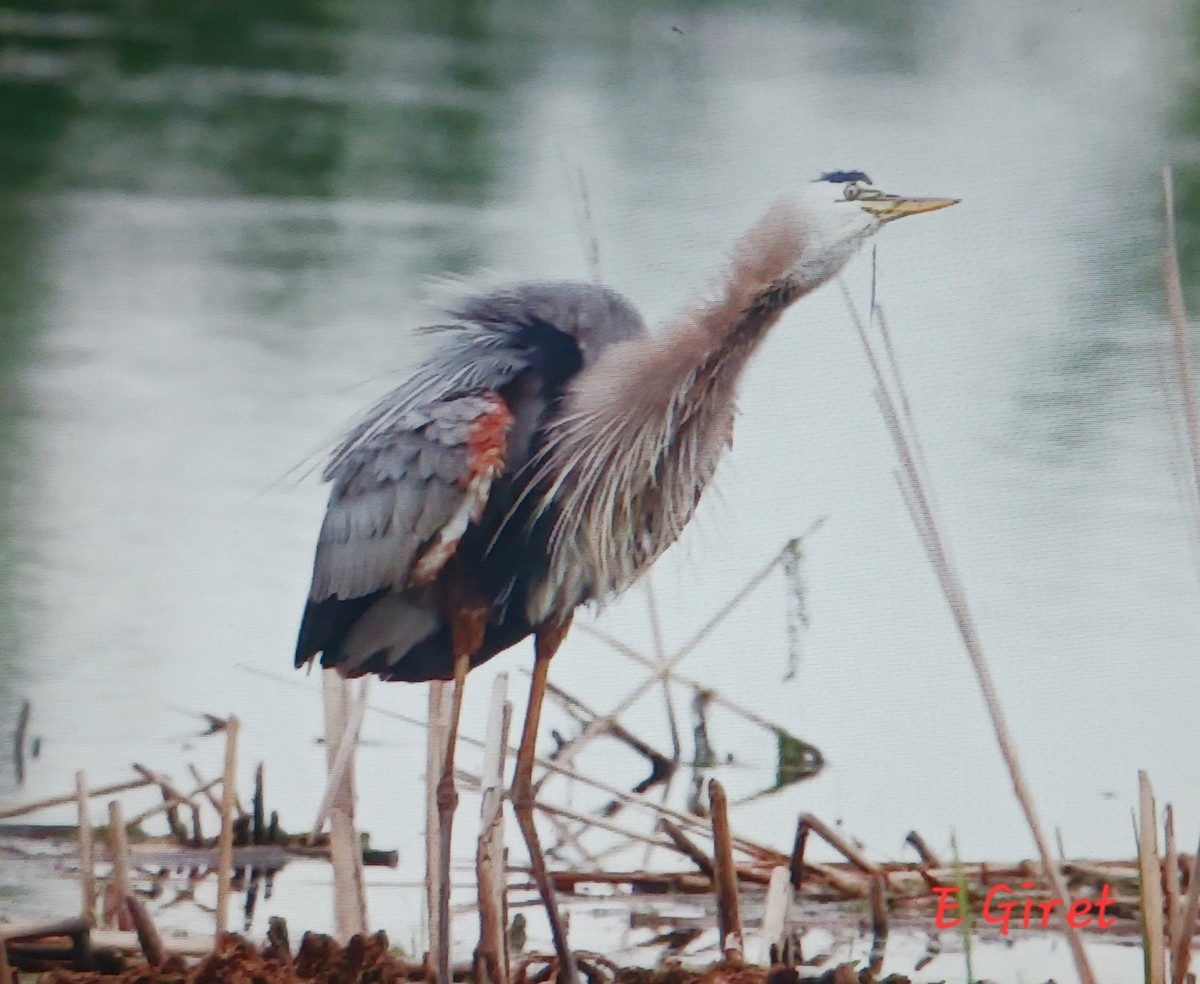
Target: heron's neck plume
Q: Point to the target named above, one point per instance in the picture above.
(698, 358)
(641, 430)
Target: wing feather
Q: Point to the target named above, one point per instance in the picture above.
(402, 499)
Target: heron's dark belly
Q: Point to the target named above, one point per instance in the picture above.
(498, 562)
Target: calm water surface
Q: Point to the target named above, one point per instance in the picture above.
(219, 232)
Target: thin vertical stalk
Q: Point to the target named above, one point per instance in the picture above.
(1150, 869)
(120, 858)
(914, 490)
(729, 917)
(225, 839)
(87, 855)
(491, 965)
(438, 723)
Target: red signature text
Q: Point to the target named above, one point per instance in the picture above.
(1001, 909)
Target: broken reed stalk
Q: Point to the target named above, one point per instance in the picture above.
(797, 860)
(1171, 882)
(342, 716)
(729, 917)
(927, 855)
(120, 787)
(1187, 926)
(6, 974)
(775, 916)
(879, 923)
(491, 965)
(147, 933)
(915, 492)
(87, 855)
(120, 859)
(225, 839)
(258, 828)
(438, 726)
(1150, 868)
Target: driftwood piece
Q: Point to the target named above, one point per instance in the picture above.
(225, 840)
(87, 858)
(729, 917)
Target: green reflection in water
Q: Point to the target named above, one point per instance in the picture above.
(32, 118)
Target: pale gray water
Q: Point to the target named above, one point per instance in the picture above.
(217, 239)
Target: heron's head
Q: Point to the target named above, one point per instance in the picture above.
(846, 204)
(838, 212)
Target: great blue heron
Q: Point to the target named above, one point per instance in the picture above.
(542, 457)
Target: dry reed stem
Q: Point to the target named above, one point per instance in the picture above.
(225, 839)
(87, 855)
(639, 657)
(729, 917)
(840, 844)
(343, 714)
(120, 856)
(1170, 881)
(1178, 315)
(6, 974)
(346, 743)
(1150, 868)
(664, 667)
(120, 787)
(879, 923)
(796, 867)
(687, 847)
(490, 963)
(205, 788)
(438, 725)
(602, 823)
(913, 487)
(928, 856)
(775, 916)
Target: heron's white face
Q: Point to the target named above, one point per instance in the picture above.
(843, 209)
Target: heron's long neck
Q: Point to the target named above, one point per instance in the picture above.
(771, 268)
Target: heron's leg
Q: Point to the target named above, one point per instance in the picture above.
(546, 643)
(467, 634)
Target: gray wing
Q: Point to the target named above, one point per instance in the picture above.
(404, 493)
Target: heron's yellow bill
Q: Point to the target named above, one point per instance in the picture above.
(890, 207)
